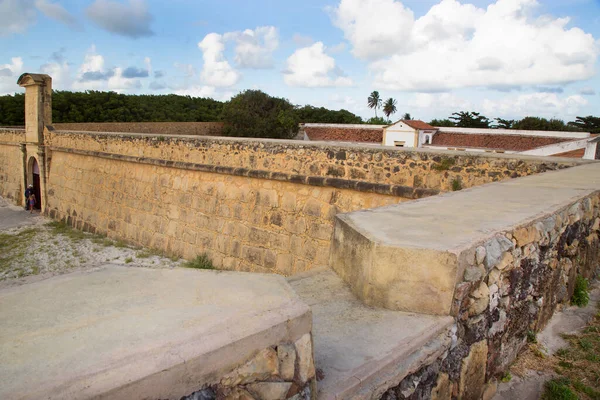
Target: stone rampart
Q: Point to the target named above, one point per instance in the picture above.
(11, 164)
(156, 128)
(499, 258)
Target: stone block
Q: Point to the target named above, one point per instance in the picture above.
(261, 367)
(306, 365)
(287, 361)
(443, 388)
(495, 249)
(269, 390)
(472, 373)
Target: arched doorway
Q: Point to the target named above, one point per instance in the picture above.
(33, 178)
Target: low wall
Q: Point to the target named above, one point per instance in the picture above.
(158, 128)
(499, 258)
(11, 164)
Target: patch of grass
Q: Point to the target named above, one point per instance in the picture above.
(128, 260)
(581, 295)
(531, 337)
(61, 228)
(558, 389)
(444, 165)
(456, 185)
(585, 344)
(145, 253)
(200, 262)
(120, 244)
(506, 377)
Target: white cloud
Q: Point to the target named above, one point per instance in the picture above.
(442, 102)
(216, 70)
(57, 12)
(187, 69)
(548, 105)
(311, 67)
(196, 91)
(9, 73)
(119, 83)
(60, 73)
(375, 28)
(132, 19)
(458, 45)
(16, 16)
(588, 91)
(254, 48)
(338, 48)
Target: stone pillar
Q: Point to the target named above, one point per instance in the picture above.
(38, 115)
(38, 105)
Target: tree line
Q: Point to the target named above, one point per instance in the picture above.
(97, 106)
(250, 113)
(470, 119)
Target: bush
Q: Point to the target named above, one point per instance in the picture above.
(456, 185)
(256, 114)
(200, 262)
(581, 295)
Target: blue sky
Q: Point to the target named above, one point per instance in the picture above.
(504, 58)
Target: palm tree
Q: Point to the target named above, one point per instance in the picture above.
(374, 101)
(389, 107)
(407, 117)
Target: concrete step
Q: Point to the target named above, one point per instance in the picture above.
(361, 351)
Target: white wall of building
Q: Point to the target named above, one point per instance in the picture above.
(557, 148)
(400, 133)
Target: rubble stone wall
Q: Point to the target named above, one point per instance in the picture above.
(286, 371)
(513, 285)
(156, 128)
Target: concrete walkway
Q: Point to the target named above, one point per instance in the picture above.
(362, 351)
(13, 216)
(125, 333)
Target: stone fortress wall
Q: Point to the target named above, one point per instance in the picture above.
(251, 205)
(157, 128)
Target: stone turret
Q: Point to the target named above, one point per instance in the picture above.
(38, 105)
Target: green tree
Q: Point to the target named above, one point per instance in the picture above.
(587, 124)
(378, 121)
(389, 107)
(322, 115)
(468, 119)
(254, 113)
(406, 117)
(504, 123)
(442, 122)
(542, 124)
(374, 101)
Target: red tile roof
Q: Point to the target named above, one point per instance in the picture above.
(344, 134)
(417, 124)
(571, 154)
(495, 142)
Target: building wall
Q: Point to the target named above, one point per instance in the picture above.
(400, 132)
(11, 164)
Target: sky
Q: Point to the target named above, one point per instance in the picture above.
(502, 58)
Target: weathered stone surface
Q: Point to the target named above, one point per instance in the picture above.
(286, 353)
(480, 254)
(472, 375)
(238, 394)
(480, 300)
(473, 274)
(490, 390)
(261, 367)
(443, 388)
(525, 235)
(269, 390)
(495, 249)
(306, 365)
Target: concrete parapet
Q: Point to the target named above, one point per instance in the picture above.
(135, 333)
(413, 256)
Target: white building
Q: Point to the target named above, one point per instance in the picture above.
(408, 133)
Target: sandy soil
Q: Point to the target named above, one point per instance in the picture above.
(31, 248)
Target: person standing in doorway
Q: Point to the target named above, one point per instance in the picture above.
(28, 192)
(31, 202)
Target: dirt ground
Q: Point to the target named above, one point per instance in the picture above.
(33, 247)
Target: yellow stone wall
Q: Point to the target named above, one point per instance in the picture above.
(408, 167)
(242, 223)
(11, 164)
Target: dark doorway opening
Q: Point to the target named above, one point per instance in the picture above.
(34, 170)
